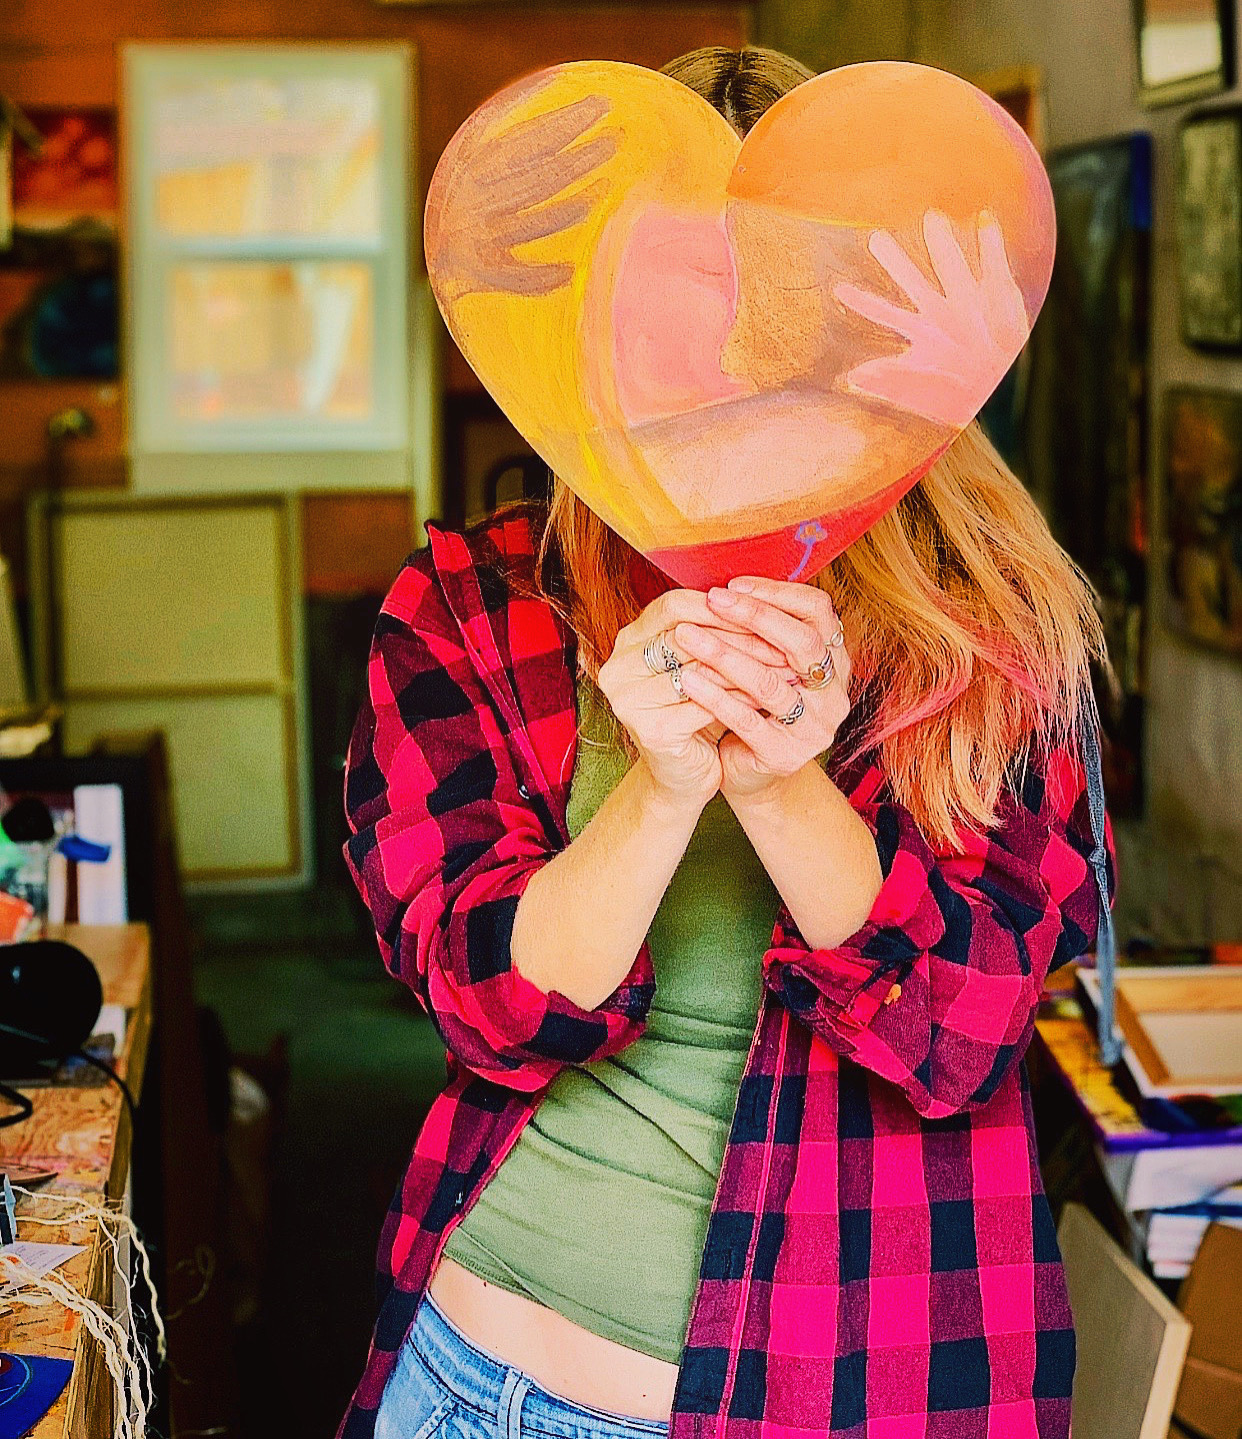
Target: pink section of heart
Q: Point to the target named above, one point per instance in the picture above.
(674, 303)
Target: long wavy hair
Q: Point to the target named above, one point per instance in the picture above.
(971, 630)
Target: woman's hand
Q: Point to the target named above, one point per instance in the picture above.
(748, 694)
(676, 738)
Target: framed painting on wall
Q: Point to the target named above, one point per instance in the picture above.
(1019, 90)
(1209, 228)
(1203, 479)
(1185, 49)
(58, 274)
(1086, 440)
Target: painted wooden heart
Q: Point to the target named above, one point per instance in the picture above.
(740, 353)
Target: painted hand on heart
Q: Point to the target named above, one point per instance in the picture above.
(512, 186)
(961, 336)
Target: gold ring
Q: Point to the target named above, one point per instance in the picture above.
(819, 676)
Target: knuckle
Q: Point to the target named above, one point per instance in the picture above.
(745, 606)
(672, 605)
(773, 689)
(810, 638)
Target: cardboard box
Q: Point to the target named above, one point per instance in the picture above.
(1209, 1400)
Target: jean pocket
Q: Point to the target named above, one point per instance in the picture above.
(413, 1405)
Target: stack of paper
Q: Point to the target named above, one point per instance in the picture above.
(1174, 1235)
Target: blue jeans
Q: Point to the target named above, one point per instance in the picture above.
(444, 1387)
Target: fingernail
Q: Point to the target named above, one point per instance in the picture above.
(743, 586)
(721, 597)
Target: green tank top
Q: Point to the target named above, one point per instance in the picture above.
(600, 1209)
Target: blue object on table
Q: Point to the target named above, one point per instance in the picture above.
(29, 1385)
(85, 851)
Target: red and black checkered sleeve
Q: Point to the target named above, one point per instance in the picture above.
(443, 841)
(937, 990)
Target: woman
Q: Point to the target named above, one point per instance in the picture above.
(732, 911)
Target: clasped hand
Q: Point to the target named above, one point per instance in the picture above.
(742, 652)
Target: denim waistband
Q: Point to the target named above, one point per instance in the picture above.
(486, 1383)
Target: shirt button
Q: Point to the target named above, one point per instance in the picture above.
(523, 791)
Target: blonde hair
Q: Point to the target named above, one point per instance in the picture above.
(971, 630)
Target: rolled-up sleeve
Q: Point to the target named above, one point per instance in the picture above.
(444, 839)
(937, 990)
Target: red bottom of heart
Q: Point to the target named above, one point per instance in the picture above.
(797, 552)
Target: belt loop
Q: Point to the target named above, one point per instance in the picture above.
(509, 1414)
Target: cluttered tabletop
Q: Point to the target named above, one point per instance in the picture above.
(73, 1151)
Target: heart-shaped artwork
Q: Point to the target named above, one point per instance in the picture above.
(740, 354)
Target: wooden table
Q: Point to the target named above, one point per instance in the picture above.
(84, 1134)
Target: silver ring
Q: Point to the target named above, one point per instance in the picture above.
(674, 674)
(657, 655)
(819, 676)
(794, 714)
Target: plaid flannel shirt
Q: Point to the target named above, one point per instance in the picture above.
(880, 1261)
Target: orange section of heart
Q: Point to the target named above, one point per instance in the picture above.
(740, 353)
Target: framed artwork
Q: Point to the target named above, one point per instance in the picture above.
(58, 275)
(1203, 499)
(1019, 90)
(1209, 228)
(1185, 49)
(1086, 439)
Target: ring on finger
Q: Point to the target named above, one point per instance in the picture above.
(794, 714)
(820, 675)
(674, 674)
(657, 655)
